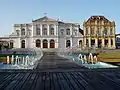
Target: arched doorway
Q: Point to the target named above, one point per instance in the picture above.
(68, 43)
(45, 43)
(92, 42)
(38, 43)
(52, 44)
(23, 44)
(11, 44)
(111, 42)
(99, 43)
(4, 44)
(106, 42)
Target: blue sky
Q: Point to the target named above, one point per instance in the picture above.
(23, 11)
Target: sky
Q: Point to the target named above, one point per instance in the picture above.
(23, 11)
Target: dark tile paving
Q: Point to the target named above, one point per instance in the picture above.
(56, 73)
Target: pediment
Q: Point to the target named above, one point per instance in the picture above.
(44, 19)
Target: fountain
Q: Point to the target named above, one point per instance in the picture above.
(90, 59)
(23, 59)
(80, 58)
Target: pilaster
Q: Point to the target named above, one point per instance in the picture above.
(103, 42)
(96, 42)
(89, 41)
(109, 42)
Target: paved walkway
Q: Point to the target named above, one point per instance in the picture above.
(51, 61)
(57, 73)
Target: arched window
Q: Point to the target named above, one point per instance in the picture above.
(45, 43)
(29, 32)
(106, 42)
(75, 32)
(23, 44)
(5, 44)
(67, 31)
(62, 31)
(80, 43)
(44, 29)
(68, 43)
(17, 32)
(23, 31)
(11, 44)
(51, 28)
(38, 43)
(52, 43)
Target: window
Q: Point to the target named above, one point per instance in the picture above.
(68, 31)
(51, 28)
(37, 29)
(62, 31)
(111, 31)
(23, 32)
(92, 31)
(86, 31)
(29, 33)
(106, 31)
(99, 32)
(75, 32)
(87, 42)
(44, 29)
(17, 32)
(23, 44)
(11, 44)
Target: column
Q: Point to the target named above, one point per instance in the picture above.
(56, 30)
(95, 30)
(96, 42)
(89, 30)
(108, 30)
(113, 30)
(33, 42)
(34, 30)
(89, 41)
(48, 29)
(41, 44)
(103, 42)
(71, 43)
(41, 30)
(84, 36)
(48, 44)
(109, 42)
(114, 43)
(84, 42)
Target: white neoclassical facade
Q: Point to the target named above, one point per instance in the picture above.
(45, 33)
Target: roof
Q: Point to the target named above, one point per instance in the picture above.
(98, 18)
(81, 31)
(60, 22)
(45, 18)
(117, 34)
